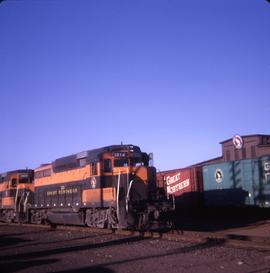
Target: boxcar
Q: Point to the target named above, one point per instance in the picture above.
(184, 184)
(242, 182)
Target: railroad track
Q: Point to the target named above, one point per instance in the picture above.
(219, 238)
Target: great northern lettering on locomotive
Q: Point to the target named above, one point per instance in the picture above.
(113, 186)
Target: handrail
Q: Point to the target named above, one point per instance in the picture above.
(127, 197)
(117, 197)
(25, 202)
(22, 196)
(127, 176)
(16, 198)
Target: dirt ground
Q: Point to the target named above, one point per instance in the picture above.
(28, 249)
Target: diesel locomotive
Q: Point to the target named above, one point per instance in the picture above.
(109, 187)
(16, 191)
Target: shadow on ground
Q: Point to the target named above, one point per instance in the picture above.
(16, 262)
(94, 269)
(219, 218)
(15, 266)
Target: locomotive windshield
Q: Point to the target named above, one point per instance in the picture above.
(136, 162)
(125, 162)
(24, 178)
(133, 158)
(122, 162)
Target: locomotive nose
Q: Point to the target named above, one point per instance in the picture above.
(147, 175)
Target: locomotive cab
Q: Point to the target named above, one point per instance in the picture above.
(135, 184)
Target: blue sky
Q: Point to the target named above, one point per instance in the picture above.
(175, 77)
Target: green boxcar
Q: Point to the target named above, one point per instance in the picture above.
(243, 182)
(262, 190)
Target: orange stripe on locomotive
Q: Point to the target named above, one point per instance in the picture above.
(47, 178)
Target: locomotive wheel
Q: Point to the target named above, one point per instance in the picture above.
(37, 217)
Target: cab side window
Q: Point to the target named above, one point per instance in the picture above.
(107, 165)
(82, 162)
(13, 182)
(94, 168)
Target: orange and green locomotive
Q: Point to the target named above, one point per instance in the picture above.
(16, 193)
(113, 186)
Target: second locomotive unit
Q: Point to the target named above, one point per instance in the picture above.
(16, 192)
(113, 186)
